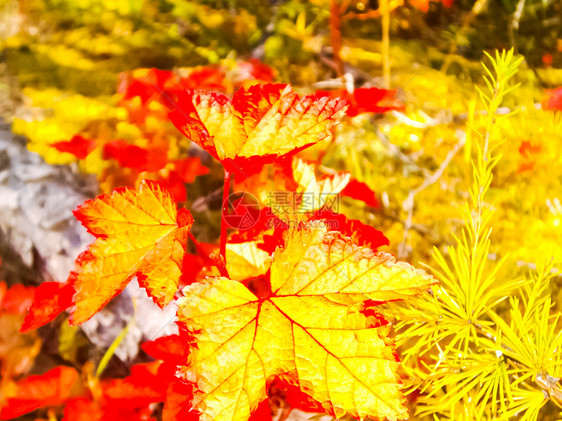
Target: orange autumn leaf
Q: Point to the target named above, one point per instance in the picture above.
(139, 233)
(259, 125)
(310, 331)
(16, 299)
(49, 389)
(17, 352)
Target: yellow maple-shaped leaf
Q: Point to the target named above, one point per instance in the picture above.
(310, 330)
(259, 125)
(139, 233)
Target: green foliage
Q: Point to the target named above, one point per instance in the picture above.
(471, 354)
(82, 45)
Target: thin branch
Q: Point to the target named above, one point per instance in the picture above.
(408, 204)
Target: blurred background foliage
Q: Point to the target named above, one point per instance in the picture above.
(59, 43)
(59, 76)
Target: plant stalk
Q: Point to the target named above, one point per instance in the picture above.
(335, 36)
(224, 212)
(385, 42)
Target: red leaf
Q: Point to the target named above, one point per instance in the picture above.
(34, 392)
(51, 299)
(177, 407)
(366, 100)
(529, 153)
(262, 413)
(143, 83)
(189, 168)
(264, 219)
(78, 146)
(260, 124)
(360, 191)
(128, 156)
(375, 100)
(131, 156)
(170, 349)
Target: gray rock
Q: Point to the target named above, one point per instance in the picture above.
(36, 222)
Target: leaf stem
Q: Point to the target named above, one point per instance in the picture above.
(225, 193)
(200, 250)
(335, 36)
(113, 347)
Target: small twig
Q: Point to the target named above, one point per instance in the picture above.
(408, 204)
(530, 266)
(518, 13)
(398, 154)
(385, 42)
(403, 118)
(551, 386)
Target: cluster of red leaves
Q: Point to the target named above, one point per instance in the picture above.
(298, 288)
(84, 397)
(153, 154)
(531, 151)
(145, 95)
(17, 352)
(367, 100)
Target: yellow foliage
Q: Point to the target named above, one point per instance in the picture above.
(302, 332)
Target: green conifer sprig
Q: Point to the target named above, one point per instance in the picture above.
(469, 352)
